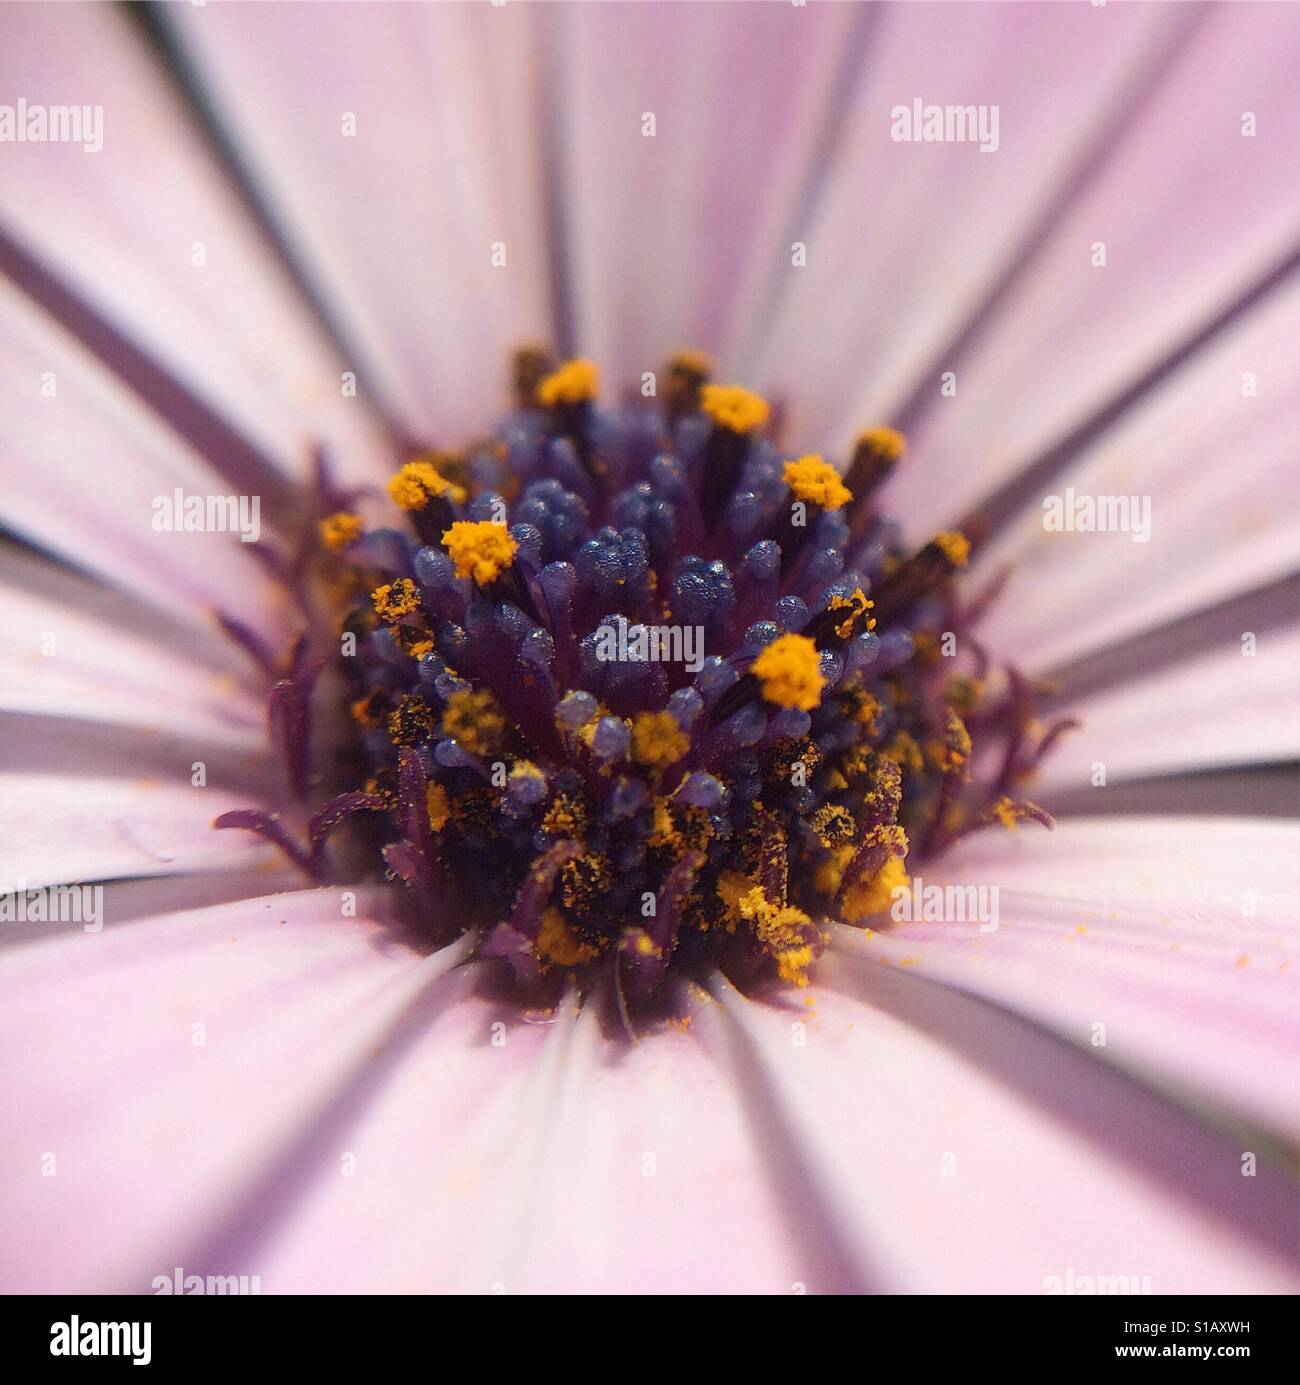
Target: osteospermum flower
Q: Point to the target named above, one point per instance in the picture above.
(576, 926)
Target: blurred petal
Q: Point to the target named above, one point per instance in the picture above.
(1190, 210)
(547, 1160)
(83, 464)
(674, 234)
(79, 650)
(1209, 461)
(1180, 936)
(162, 1065)
(965, 1151)
(908, 238)
(398, 221)
(56, 829)
(1236, 705)
(182, 270)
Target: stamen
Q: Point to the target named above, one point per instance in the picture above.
(771, 738)
(789, 673)
(481, 549)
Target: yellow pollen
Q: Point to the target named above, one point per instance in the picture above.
(905, 753)
(829, 874)
(396, 599)
(557, 943)
(886, 442)
(789, 670)
(657, 740)
(874, 896)
(834, 826)
(854, 605)
(337, 531)
(816, 482)
(1006, 813)
(435, 797)
(471, 718)
(792, 964)
(480, 549)
(566, 817)
(691, 362)
(574, 382)
(418, 482)
(734, 408)
(955, 546)
(363, 711)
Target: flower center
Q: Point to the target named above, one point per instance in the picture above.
(631, 690)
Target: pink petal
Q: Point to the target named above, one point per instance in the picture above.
(673, 238)
(963, 1151)
(1212, 464)
(155, 1135)
(398, 221)
(1191, 212)
(59, 828)
(1179, 935)
(561, 1161)
(81, 471)
(79, 650)
(121, 227)
(907, 238)
(1224, 708)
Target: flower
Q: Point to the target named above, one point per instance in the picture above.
(236, 1070)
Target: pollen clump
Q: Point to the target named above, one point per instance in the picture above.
(574, 382)
(657, 740)
(888, 443)
(410, 721)
(816, 482)
(874, 896)
(480, 549)
(472, 719)
(558, 945)
(954, 546)
(789, 672)
(734, 408)
(566, 817)
(337, 531)
(834, 826)
(438, 805)
(396, 599)
(418, 482)
(855, 606)
(783, 931)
